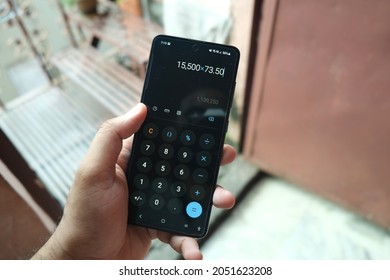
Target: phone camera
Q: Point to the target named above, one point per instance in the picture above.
(195, 47)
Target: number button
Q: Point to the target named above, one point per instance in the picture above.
(169, 134)
(182, 172)
(159, 185)
(178, 189)
(147, 147)
(165, 151)
(203, 158)
(184, 155)
(187, 137)
(162, 168)
(137, 198)
(144, 164)
(150, 130)
(156, 202)
(207, 141)
(200, 175)
(141, 181)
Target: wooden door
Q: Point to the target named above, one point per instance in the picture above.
(320, 100)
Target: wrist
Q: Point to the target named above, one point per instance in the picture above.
(52, 250)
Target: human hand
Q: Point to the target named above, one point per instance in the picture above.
(94, 224)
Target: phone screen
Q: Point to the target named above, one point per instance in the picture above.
(176, 154)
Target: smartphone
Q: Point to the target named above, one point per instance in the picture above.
(173, 168)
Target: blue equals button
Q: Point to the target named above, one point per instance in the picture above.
(194, 209)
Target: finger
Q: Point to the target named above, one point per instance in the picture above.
(128, 143)
(107, 144)
(187, 247)
(125, 153)
(228, 155)
(223, 198)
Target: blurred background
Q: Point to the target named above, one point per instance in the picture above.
(310, 117)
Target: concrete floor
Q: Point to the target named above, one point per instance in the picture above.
(277, 220)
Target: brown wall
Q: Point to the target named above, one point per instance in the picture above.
(320, 115)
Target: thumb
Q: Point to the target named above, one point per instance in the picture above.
(107, 144)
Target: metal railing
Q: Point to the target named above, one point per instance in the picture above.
(29, 30)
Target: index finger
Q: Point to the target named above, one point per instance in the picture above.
(228, 155)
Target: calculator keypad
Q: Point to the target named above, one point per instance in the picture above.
(174, 177)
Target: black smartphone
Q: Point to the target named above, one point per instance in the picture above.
(176, 154)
